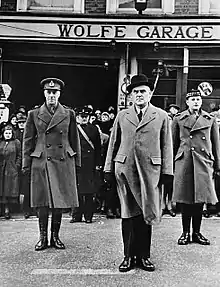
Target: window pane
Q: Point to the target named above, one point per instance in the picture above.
(130, 4)
(51, 3)
(215, 4)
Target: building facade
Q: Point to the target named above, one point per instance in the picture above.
(95, 46)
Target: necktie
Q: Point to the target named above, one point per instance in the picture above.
(140, 115)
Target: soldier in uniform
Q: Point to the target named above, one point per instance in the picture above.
(51, 151)
(90, 142)
(196, 156)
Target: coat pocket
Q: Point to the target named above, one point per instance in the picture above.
(155, 160)
(71, 152)
(36, 154)
(120, 158)
(179, 155)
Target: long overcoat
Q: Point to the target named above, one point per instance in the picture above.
(10, 165)
(139, 153)
(90, 158)
(51, 149)
(196, 155)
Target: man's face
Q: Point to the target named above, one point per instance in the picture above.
(141, 95)
(84, 119)
(52, 97)
(194, 103)
(21, 125)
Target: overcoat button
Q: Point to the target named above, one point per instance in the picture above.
(48, 145)
(203, 138)
(61, 132)
(47, 132)
(192, 148)
(61, 158)
(60, 145)
(48, 158)
(191, 136)
(202, 149)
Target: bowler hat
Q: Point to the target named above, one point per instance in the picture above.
(193, 93)
(52, 84)
(139, 80)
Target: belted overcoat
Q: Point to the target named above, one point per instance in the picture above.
(139, 153)
(196, 155)
(51, 150)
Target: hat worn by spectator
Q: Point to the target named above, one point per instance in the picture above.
(193, 93)
(52, 84)
(22, 119)
(173, 106)
(139, 80)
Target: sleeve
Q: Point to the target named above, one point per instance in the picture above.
(18, 154)
(29, 138)
(97, 145)
(175, 136)
(113, 146)
(166, 147)
(215, 144)
(74, 138)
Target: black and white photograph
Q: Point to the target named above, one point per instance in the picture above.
(109, 143)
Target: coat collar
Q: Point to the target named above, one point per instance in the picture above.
(52, 120)
(202, 122)
(149, 115)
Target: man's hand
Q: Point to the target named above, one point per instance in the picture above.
(26, 171)
(109, 178)
(216, 173)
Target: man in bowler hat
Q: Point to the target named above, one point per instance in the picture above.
(51, 151)
(140, 156)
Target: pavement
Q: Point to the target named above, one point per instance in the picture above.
(94, 251)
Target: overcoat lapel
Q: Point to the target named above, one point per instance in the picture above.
(44, 114)
(132, 116)
(149, 116)
(202, 122)
(59, 115)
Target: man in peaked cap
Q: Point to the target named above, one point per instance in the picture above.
(51, 151)
(140, 156)
(91, 162)
(196, 158)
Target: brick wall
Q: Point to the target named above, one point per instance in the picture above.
(186, 7)
(95, 6)
(8, 5)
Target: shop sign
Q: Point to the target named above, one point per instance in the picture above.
(88, 30)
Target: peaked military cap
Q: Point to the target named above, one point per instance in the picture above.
(193, 93)
(83, 111)
(52, 84)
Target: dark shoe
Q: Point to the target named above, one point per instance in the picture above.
(73, 220)
(7, 215)
(110, 214)
(206, 214)
(171, 213)
(56, 242)
(26, 215)
(218, 214)
(127, 264)
(41, 244)
(164, 211)
(199, 238)
(145, 264)
(184, 238)
(88, 221)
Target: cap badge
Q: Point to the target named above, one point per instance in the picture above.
(51, 84)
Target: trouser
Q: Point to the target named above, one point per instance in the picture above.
(191, 212)
(25, 190)
(136, 236)
(86, 207)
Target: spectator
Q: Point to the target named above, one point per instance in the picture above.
(10, 164)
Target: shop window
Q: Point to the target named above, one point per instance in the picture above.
(128, 6)
(209, 7)
(51, 5)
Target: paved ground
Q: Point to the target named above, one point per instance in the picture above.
(93, 253)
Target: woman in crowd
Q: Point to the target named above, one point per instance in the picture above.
(10, 163)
